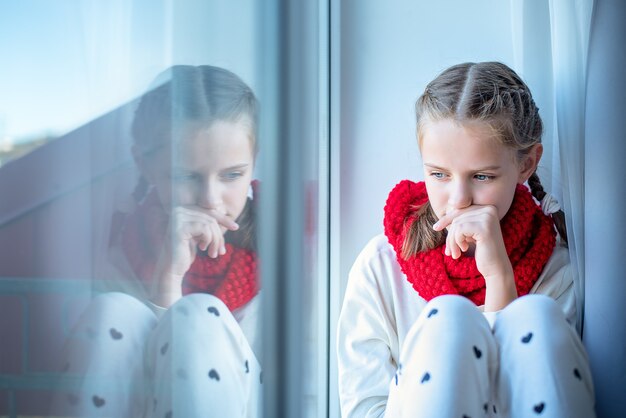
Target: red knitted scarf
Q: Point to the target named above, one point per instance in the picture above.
(231, 277)
(529, 238)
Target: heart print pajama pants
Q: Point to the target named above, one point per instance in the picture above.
(530, 364)
(122, 361)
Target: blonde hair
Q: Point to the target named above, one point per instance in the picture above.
(192, 96)
(196, 97)
(491, 93)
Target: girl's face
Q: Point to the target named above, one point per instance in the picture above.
(210, 169)
(464, 165)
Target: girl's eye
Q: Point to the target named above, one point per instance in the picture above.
(437, 175)
(184, 177)
(232, 175)
(483, 177)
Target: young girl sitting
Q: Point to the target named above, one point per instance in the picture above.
(465, 306)
(179, 337)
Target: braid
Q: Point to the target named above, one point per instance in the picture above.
(558, 217)
(420, 235)
(141, 189)
(536, 187)
(245, 236)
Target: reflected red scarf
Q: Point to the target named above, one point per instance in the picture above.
(529, 238)
(231, 277)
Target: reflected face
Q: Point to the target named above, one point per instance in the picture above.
(464, 165)
(211, 168)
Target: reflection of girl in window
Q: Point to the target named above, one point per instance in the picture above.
(408, 344)
(180, 338)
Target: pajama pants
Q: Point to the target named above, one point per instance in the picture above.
(123, 362)
(452, 364)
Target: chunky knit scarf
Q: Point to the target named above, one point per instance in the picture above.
(232, 277)
(529, 238)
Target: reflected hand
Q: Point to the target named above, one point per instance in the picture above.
(190, 228)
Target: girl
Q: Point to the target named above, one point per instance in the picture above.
(180, 339)
(465, 306)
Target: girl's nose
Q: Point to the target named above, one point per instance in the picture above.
(210, 196)
(460, 196)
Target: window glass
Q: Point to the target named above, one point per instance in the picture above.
(138, 153)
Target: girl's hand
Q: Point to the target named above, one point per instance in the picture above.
(190, 228)
(479, 227)
(193, 227)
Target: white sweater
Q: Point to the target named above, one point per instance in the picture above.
(379, 308)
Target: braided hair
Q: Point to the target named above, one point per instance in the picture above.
(488, 92)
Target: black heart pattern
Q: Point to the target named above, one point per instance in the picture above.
(164, 348)
(247, 368)
(396, 376)
(486, 407)
(577, 374)
(213, 310)
(477, 352)
(433, 312)
(425, 378)
(526, 339)
(98, 401)
(465, 416)
(214, 375)
(168, 414)
(115, 334)
(539, 408)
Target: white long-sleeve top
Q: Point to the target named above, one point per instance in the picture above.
(379, 308)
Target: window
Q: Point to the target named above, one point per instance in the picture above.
(69, 176)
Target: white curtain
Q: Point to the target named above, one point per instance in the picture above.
(560, 65)
(570, 25)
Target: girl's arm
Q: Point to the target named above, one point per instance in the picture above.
(365, 333)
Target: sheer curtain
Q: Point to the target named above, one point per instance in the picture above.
(559, 68)
(605, 333)
(583, 63)
(570, 25)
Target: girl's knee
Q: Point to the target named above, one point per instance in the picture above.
(455, 309)
(534, 318)
(199, 314)
(451, 320)
(534, 310)
(537, 305)
(117, 302)
(203, 304)
(119, 309)
(452, 303)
